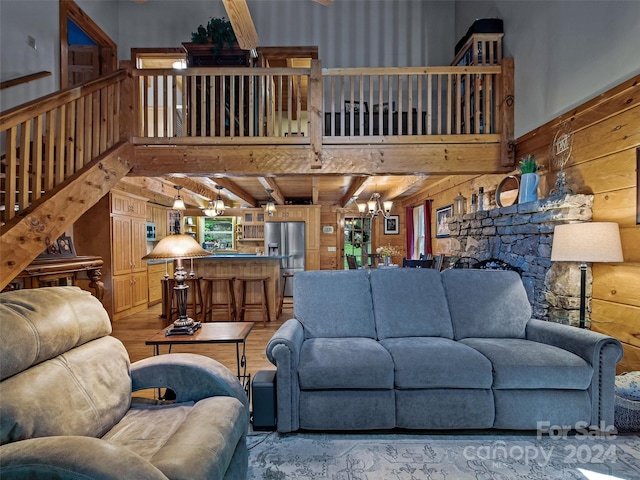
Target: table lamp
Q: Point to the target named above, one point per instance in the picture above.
(586, 242)
(178, 247)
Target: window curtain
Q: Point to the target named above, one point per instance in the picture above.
(428, 249)
(408, 215)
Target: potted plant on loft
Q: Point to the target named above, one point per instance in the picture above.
(215, 45)
(529, 179)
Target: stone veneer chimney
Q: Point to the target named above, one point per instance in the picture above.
(521, 235)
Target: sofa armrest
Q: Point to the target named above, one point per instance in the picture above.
(72, 457)
(600, 351)
(283, 350)
(192, 377)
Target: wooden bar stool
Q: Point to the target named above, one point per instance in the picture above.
(228, 284)
(285, 275)
(264, 300)
(195, 300)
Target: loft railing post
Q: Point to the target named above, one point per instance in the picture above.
(315, 113)
(129, 108)
(506, 115)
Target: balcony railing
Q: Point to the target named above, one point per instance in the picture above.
(48, 140)
(350, 102)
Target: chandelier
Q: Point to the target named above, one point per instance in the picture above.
(270, 207)
(215, 208)
(375, 206)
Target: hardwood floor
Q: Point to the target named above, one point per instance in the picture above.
(133, 330)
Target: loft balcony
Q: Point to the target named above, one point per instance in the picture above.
(63, 152)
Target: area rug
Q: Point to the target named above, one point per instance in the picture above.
(401, 456)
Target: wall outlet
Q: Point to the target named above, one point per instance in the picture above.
(331, 249)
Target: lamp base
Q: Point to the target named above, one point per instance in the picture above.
(184, 330)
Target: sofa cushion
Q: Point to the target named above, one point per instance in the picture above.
(344, 363)
(523, 364)
(334, 303)
(486, 303)
(410, 302)
(199, 439)
(84, 391)
(432, 362)
(46, 322)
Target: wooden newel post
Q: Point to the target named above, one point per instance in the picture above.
(507, 149)
(315, 113)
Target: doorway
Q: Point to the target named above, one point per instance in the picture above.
(357, 241)
(86, 52)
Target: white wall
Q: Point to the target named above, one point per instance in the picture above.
(565, 52)
(20, 19)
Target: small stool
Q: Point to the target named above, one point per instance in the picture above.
(209, 295)
(264, 300)
(285, 275)
(194, 299)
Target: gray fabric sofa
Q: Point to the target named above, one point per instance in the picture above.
(66, 409)
(418, 349)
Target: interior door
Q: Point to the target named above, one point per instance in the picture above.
(83, 63)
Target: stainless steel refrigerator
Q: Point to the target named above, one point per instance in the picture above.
(286, 238)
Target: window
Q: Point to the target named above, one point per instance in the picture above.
(357, 240)
(418, 231)
(219, 233)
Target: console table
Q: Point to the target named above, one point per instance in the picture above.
(47, 272)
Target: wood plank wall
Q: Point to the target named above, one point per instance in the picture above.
(606, 139)
(604, 162)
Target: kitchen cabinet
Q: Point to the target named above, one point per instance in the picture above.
(159, 215)
(155, 275)
(253, 225)
(116, 229)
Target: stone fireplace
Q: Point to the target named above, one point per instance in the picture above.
(521, 236)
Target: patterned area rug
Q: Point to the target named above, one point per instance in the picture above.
(437, 457)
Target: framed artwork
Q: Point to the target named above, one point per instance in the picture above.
(60, 248)
(442, 221)
(356, 107)
(392, 225)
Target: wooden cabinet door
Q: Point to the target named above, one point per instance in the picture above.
(139, 289)
(138, 244)
(122, 293)
(121, 244)
(313, 228)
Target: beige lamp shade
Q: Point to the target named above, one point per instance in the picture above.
(177, 246)
(587, 242)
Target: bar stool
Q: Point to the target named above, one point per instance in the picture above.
(209, 297)
(285, 275)
(264, 300)
(195, 299)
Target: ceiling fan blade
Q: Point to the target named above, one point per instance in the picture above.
(242, 24)
(324, 2)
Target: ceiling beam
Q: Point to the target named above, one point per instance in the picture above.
(238, 191)
(270, 183)
(357, 185)
(157, 190)
(253, 160)
(243, 26)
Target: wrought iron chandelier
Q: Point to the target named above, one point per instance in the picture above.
(375, 206)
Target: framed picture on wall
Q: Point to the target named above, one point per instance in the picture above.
(392, 225)
(442, 221)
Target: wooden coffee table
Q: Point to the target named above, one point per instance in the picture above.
(214, 332)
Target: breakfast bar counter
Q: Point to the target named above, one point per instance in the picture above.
(241, 265)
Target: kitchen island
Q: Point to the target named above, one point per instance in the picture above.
(240, 265)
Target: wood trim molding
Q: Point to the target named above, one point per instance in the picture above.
(69, 10)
